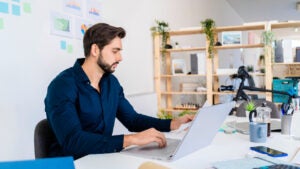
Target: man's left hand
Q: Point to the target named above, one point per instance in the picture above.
(175, 123)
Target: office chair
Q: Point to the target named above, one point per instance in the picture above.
(241, 112)
(43, 137)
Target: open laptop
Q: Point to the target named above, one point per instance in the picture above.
(202, 131)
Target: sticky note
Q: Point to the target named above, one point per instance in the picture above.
(16, 1)
(3, 7)
(70, 48)
(63, 45)
(27, 7)
(15, 10)
(1, 23)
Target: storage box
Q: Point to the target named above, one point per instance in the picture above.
(284, 85)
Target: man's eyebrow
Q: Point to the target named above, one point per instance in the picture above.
(117, 48)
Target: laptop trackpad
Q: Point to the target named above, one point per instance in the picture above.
(153, 151)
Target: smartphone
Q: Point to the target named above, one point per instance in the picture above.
(268, 151)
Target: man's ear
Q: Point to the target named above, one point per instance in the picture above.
(94, 50)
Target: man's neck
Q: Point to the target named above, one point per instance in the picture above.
(93, 72)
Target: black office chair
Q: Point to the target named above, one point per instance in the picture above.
(43, 137)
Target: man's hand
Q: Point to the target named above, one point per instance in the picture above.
(145, 137)
(175, 123)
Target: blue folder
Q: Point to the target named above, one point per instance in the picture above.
(45, 163)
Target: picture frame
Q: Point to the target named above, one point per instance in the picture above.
(232, 38)
(178, 66)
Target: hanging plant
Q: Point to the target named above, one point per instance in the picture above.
(267, 38)
(162, 28)
(208, 26)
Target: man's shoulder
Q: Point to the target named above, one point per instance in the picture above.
(66, 77)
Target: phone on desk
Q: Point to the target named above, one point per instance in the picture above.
(268, 151)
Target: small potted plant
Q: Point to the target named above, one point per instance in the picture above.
(250, 106)
(164, 115)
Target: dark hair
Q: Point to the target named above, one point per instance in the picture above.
(101, 34)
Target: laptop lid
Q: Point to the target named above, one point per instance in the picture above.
(201, 132)
(203, 128)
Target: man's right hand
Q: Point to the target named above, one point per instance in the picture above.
(145, 137)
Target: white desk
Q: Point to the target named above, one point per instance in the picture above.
(223, 147)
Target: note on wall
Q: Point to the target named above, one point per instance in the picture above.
(26, 7)
(15, 10)
(4, 7)
(1, 23)
(73, 7)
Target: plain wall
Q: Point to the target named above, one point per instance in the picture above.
(31, 57)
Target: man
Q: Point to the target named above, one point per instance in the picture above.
(83, 101)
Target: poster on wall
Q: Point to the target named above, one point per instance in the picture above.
(232, 38)
(61, 24)
(93, 10)
(81, 26)
(73, 7)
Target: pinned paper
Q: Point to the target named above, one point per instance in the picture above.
(3, 7)
(26, 7)
(70, 49)
(63, 45)
(16, 10)
(16, 1)
(1, 23)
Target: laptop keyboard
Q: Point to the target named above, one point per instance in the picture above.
(279, 166)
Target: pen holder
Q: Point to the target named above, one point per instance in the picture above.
(286, 123)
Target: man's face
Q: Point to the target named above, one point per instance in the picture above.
(110, 56)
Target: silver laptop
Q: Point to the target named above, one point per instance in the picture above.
(202, 131)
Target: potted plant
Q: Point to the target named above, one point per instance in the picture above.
(162, 28)
(164, 115)
(208, 26)
(250, 106)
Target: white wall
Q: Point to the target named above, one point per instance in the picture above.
(31, 57)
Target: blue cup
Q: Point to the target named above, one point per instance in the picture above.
(258, 132)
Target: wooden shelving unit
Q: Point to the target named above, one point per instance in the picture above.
(211, 77)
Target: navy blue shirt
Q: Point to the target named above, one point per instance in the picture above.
(83, 119)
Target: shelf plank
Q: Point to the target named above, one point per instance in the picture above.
(178, 110)
(247, 92)
(241, 28)
(186, 49)
(183, 75)
(187, 93)
(294, 63)
(239, 46)
(285, 25)
(185, 32)
(227, 74)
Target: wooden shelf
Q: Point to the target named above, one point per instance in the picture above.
(285, 25)
(178, 75)
(294, 63)
(181, 93)
(247, 92)
(241, 28)
(228, 74)
(185, 32)
(178, 110)
(186, 49)
(239, 46)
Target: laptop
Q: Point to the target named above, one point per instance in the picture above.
(201, 132)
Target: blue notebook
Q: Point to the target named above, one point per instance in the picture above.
(45, 163)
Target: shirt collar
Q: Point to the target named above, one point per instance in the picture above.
(80, 74)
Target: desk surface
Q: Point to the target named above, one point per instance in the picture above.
(223, 147)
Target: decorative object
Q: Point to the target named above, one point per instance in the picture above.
(232, 38)
(208, 26)
(178, 66)
(250, 106)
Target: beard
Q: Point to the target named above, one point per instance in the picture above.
(107, 68)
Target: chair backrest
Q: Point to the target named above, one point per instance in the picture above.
(241, 112)
(43, 137)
